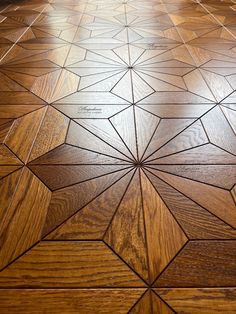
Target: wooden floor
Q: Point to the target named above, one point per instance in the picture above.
(118, 157)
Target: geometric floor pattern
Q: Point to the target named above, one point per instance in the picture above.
(118, 156)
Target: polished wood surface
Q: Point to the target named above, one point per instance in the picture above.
(118, 156)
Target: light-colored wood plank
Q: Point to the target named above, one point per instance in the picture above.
(52, 133)
(165, 132)
(218, 201)
(91, 264)
(126, 233)
(214, 122)
(71, 155)
(145, 126)
(218, 84)
(67, 201)
(177, 110)
(158, 306)
(191, 137)
(23, 220)
(99, 301)
(6, 170)
(7, 157)
(219, 175)
(125, 125)
(230, 116)
(92, 221)
(80, 137)
(67, 84)
(197, 222)
(205, 154)
(106, 132)
(16, 111)
(23, 133)
(196, 84)
(144, 305)
(4, 129)
(8, 186)
(164, 236)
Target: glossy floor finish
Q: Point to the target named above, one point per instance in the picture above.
(118, 157)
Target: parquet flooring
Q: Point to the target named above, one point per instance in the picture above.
(118, 156)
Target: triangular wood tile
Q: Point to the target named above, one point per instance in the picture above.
(79, 196)
(197, 222)
(165, 233)
(130, 246)
(92, 221)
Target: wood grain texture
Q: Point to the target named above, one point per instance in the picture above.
(81, 111)
(201, 264)
(127, 131)
(22, 222)
(191, 137)
(6, 170)
(158, 306)
(217, 199)
(92, 221)
(72, 155)
(214, 122)
(177, 110)
(16, 111)
(195, 221)
(218, 84)
(233, 192)
(164, 236)
(69, 175)
(130, 246)
(117, 156)
(8, 85)
(101, 301)
(140, 88)
(67, 84)
(26, 98)
(204, 300)
(3, 121)
(151, 303)
(165, 132)
(105, 131)
(144, 305)
(8, 186)
(124, 88)
(205, 154)
(4, 129)
(80, 137)
(230, 116)
(44, 85)
(7, 157)
(52, 133)
(67, 201)
(196, 84)
(92, 264)
(220, 175)
(23, 133)
(144, 134)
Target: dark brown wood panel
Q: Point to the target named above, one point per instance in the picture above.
(200, 264)
(204, 301)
